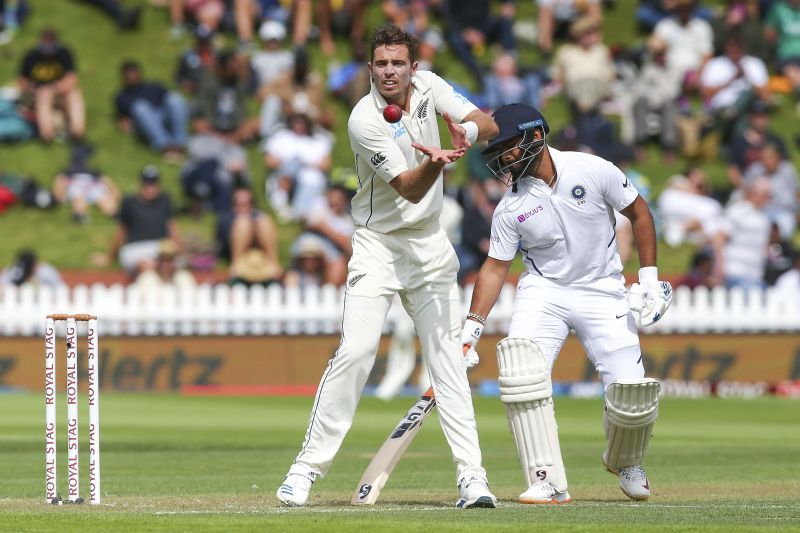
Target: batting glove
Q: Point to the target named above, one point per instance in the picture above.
(650, 297)
(469, 339)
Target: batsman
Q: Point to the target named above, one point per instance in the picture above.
(558, 212)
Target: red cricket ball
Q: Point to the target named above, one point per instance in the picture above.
(392, 113)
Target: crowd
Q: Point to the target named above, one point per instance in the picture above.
(700, 84)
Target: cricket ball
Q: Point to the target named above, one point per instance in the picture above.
(392, 113)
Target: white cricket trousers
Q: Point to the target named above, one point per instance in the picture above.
(421, 266)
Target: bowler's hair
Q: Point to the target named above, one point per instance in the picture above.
(388, 34)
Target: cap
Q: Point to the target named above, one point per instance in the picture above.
(583, 25)
(167, 248)
(254, 266)
(272, 29)
(149, 174)
(513, 120)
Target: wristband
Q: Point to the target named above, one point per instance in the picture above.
(471, 129)
(471, 333)
(648, 275)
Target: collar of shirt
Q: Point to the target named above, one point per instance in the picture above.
(419, 87)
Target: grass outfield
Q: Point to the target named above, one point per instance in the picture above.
(212, 464)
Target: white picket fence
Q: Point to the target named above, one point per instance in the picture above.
(224, 310)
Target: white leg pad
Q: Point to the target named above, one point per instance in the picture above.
(527, 392)
(630, 413)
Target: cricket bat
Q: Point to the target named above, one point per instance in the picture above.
(382, 464)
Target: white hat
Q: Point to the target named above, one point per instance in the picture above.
(272, 29)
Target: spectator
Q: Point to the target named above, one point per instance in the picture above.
(12, 15)
(783, 30)
(702, 272)
(782, 177)
(195, 63)
(207, 13)
(342, 17)
(689, 39)
(251, 14)
(505, 85)
(745, 147)
(167, 272)
(412, 16)
(584, 68)
(556, 16)
(730, 82)
(214, 168)
(243, 228)
(124, 18)
(81, 186)
(740, 245)
(145, 219)
(743, 18)
(308, 266)
(48, 74)
(651, 12)
(471, 27)
(623, 156)
(330, 225)
(27, 268)
(350, 82)
(222, 99)
(686, 209)
(654, 100)
(788, 284)
(159, 115)
(298, 159)
(780, 256)
(272, 61)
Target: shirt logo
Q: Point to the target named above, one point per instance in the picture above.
(626, 182)
(422, 109)
(579, 193)
(399, 129)
(355, 279)
(377, 159)
(525, 216)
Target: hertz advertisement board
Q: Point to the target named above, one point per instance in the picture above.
(170, 363)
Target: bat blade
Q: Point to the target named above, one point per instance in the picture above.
(387, 457)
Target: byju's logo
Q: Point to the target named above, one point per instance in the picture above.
(525, 216)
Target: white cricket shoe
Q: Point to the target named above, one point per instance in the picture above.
(295, 488)
(634, 483)
(474, 492)
(544, 492)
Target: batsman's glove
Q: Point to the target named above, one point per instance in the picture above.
(469, 339)
(650, 298)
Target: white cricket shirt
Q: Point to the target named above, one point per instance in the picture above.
(565, 234)
(383, 151)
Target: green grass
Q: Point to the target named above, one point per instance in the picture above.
(100, 47)
(210, 464)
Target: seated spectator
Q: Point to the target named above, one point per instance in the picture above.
(702, 272)
(730, 82)
(330, 225)
(49, 76)
(471, 27)
(245, 228)
(82, 186)
(126, 18)
(650, 12)
(349, 82)
(27, 268)
(251, 14)
(686, 210)
(689, 39)
(222, 99)
(741, 17)
(214, 168)
(782, 177)
(343, 17)
(505, 85)
(145, 219)
(298, 160)
(195, 62)
(13, 14)
(780, 256)
(207, 13)
(740, 244)
(584, 68)
(159, 115)
(782, 29)
(555, 17)
(168, 271)
(746, 144)
(273, 60)
(308, 266)
(654, 100)
(412, 16)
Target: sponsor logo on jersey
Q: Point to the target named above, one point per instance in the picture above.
(355, 279)
(377, 159)
(399, 130)
(525, 216)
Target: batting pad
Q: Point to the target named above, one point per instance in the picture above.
(527, 392)
(631, 411)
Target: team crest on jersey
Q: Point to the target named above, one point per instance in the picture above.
(579, 193)
(422, 110)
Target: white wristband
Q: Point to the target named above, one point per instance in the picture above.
(471, 129)
(648, 274)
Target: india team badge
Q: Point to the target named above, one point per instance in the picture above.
(579, 193)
